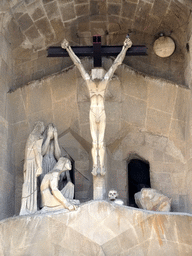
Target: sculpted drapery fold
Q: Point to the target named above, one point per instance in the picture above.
(42, 157)
(32, 169)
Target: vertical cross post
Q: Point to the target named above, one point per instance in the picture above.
(97, 50)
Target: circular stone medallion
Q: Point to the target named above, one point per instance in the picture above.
(164, 46)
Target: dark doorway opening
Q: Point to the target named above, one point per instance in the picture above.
(138, 178)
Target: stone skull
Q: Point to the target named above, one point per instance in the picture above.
(112, 195)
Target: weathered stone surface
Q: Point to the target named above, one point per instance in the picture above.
(176, 149)
(52, 10)
(98, 28)
(82, 10)
(161, 95)
(32, 34)
(143, 8)
(17, 111)
(159, 7)
(158, 155)
(85, 132)
(20, 131)
(114, 9)
(152, 200)
(63, 85)
(110, 230)
(181, 105)
(36, 98)
(155, 141)
(15, 34)
(84, 112)
(128, 9)
(25, 22)
(115, 115)
(139, 23)
(114, 90)
(36, 10)
(45, 29)
(158, 122)
(58, 27)
(4, 48)
(23, 53)
(68, 12)
(134, 84)
(63, 114)
(134, 111)
(146, 17)
(98, 8)
(64, 100)
(178, 130)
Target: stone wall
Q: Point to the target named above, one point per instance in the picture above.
(35, 24)
(7, 186)
(146, 118)
(188, 77)
(97, 228)
(153, 126)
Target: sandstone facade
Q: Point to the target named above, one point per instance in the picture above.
(147, 118)
(97, 228)
(33, 25)
(7, 180)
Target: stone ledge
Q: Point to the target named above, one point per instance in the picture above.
(97, 228)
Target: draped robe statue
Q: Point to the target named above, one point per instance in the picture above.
(42, 153)
(50, 149)
(97, 85)
(51, 154)
(52, 197)
(32, 169)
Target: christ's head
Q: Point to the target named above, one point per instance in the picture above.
(97, 73)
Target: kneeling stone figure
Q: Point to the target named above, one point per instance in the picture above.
(150, 199)
(52, 198)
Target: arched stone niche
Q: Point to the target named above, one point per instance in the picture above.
(165, 159)
(145, 116)
(79, 150)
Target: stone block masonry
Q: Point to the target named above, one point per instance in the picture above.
(139, 123)
(97, 228)
(7, 186)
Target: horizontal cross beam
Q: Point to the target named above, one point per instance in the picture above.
(82, 51)
(97, 51)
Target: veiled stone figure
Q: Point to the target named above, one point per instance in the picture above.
(52, 197)
(50, 149)
(97, 85)
(32, 169)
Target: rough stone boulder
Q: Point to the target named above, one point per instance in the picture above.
(97, 228)
(152, 200)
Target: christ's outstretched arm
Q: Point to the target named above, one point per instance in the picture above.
(118, 61)
(65, 45)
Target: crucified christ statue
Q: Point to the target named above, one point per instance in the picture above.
(97, 85)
